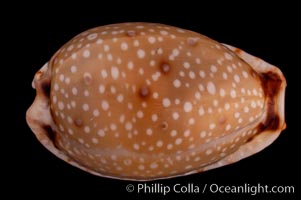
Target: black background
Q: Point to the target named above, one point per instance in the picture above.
(37, 34)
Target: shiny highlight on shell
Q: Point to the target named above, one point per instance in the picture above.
(144, 101)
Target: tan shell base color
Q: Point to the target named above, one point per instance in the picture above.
(39, 113)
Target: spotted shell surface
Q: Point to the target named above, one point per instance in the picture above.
(144, 101)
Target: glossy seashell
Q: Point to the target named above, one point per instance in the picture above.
(145, 101)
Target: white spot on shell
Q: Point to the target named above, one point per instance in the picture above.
(201, 111)
(175, 116)
(86, 54)
(136, 43)
(104, 73)
(211, 88)
(233, 93)
(136, 146)
(61, 105)
(173, 133)
(74, 56)
(106, 48)
(222, 92)
(128, 126)
(140, 53)
(101, 88)
(178, 141)
(151, 40)
(213, 68)
(186, 65)
(87, 129)
(153, 166)
(92, 36)
(192, 41)
(99, 41)
(85, 107)
(124, 46)
(203, 134)
(96, 113)
(175, 52)
(101, 133)
(163, 32)
(114, 73)
(228, 56)
(105, 105)
(139, 114)
(177, 83)
(166, 102)
(149, 131)
(245, 74)
(130, 65)
(74, 91)
(73, 69)
(191, 121)
(191, 74)
(212, 126)
(187, 106)
(236, 78)
(154, 117)
(159, 143)
(208, 151)
(202, 74)
(186, 133)
(225, 76)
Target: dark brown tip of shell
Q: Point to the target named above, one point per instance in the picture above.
(49, 132)
(45, 88)
(271, 83)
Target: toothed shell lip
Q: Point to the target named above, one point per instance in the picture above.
(40, 118)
